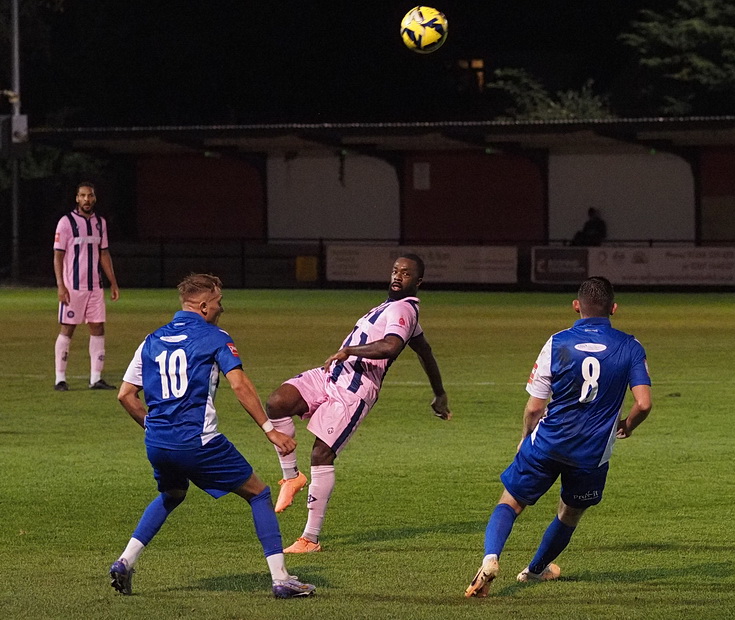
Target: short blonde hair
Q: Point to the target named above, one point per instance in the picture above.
(195, 284)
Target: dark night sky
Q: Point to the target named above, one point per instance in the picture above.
(238, 61)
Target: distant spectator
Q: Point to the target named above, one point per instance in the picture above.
(593, 232)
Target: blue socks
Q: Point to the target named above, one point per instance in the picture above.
(555, 540)
(266, 523)
(154, 516)
(498, 528)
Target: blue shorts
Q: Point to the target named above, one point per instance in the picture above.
(216, 467)
(532, 473)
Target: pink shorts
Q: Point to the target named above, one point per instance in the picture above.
(83, 307)
(334, 413)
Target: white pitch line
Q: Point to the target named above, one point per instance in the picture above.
(469, 384)
(390, 383)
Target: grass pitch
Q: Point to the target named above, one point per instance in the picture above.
(404, 531)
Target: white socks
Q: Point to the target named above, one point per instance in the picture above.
(320, 489)
(288, 462)
(96, 358)
(132, 551)
(277, 566)
(61, 355)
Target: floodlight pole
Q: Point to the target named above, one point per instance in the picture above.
(14, 162)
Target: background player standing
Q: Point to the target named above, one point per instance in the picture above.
(80, 254)
(178, 367)
(585, 371)
(336, 397)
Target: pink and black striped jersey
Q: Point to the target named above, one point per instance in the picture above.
(81, 240)
(397, 317)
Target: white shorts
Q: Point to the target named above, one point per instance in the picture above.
(334, 413)
(83, 307)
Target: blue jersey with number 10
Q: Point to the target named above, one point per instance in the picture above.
(586, 371)
(178, 368)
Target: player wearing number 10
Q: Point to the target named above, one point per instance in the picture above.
(585, 372)
(178, 367)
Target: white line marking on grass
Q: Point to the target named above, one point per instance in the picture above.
(471, 383)
(41, 377)
(389, 383)
(459, 383)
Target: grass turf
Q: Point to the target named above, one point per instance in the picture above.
(404, 531)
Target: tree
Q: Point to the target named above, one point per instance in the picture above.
(686, 57)
(522, 97)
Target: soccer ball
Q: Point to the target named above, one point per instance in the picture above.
(424, 29)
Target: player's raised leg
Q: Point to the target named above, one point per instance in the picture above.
(286, 401)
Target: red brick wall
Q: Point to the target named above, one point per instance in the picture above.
(474, 197)
(192, 196)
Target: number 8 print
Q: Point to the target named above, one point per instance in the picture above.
(590, 374)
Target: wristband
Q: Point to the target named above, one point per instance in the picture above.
(267, 426)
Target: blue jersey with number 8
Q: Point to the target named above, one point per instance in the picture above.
(585, 371)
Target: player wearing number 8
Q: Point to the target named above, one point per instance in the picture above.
(178, 368)
(570, 423)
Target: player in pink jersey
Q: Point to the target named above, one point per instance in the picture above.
(336, 397)
(80, 255)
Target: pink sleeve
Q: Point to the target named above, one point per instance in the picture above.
(402, 320)
(63, 231)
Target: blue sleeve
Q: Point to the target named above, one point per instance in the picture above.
(639, 368)
(226, 354)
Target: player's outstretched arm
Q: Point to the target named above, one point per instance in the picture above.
(130, 400)
(385, 348)
(638, 412)
(440, 404)
(249, 399)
